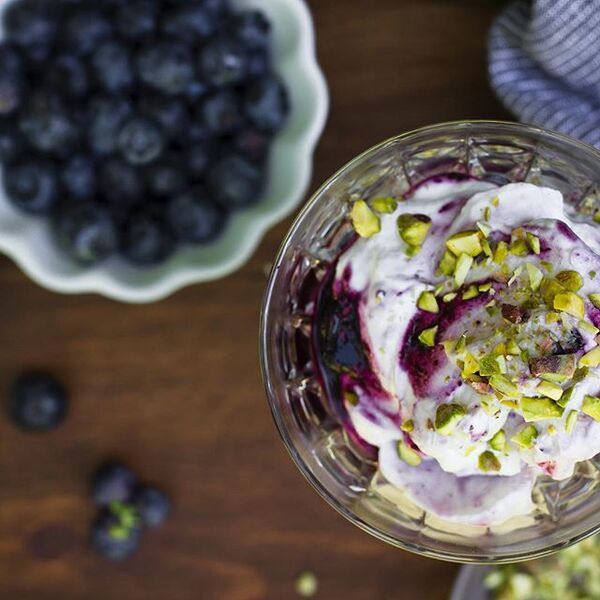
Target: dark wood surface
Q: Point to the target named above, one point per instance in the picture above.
(174, 388)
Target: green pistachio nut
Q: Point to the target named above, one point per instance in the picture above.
(537, 409)
(409, 455)
(428, 302)
(591, 358)
(447, 417)
(488, 462)
(427, 336)
(413, 229)
(595, 299)
(465, 242)
(570, 303)
(463, 266)
(561, 365)
(570, 280)
(498, 442)
(365, 222)
(408, 426)
(519, 248)
(503, 385)
(549, 288)
(550, 390)
(591, 407)
(501, 253)
(385, 205)
(534, 242)
(535, 276)
(447, 263)
(525, 438)
(570, 421)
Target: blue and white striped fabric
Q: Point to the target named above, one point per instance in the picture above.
(544, 64)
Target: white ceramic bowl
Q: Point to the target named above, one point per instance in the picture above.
(28, 242)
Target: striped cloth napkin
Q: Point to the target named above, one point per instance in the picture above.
(544, 64)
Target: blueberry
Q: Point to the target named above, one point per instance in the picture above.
(120, 183)
(252, 28)
(85, 29)
(146, 240)
(11, 144)
(194, 218)
(137, 18)
(220, 112)
(47, 124)
(113, 482)
(153, 506)
(223, 61)
(189, 22)
(166, 178)
(78, 178)
(32, 186)
(117, 532)
(252, 144)
(140, 141)
(197, 133)
(197, 158)
(258, 64)
(68, 76)
(235, 182)
(11, 79)
(166, 66)
(86, 231)
(113, 67)
(31, 22)
(170, 113)
(106, 117)
(38, 402)
(196, 90)
(266, 104)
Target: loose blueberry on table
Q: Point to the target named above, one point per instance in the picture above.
(134, 127)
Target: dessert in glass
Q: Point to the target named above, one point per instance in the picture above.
(431, 341)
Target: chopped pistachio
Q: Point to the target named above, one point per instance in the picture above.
(566, 396)
(471, 365)
(554, 377)
(463, 265)
(427, 336)
(500, 348)
(549, 389)
(595, 299)
(503, 385)
(549, 288)
(512, 348)
(413, 229)
(412, 251)
(535, 276)
(592, 274)
(588, 327)
(570, 280)
(552, 317)
(516, 274)
(484, 228)
(470, 293)
(487, 250)
(428, 302)
(488, 461)
(551, 429)
(597, 216)
(490, 365)
(526, 437)
(534, 242)
(447, 263)
(498, 442)
(365, 222)
(449, 346)
(408, 426)
(591, 407)
(351, 397)
(514, 314)
(439, 288)
(495, 201)
(449, 296)
(519, 248)
(536, 409)
(386, 205)
(485, 287)
(548, 266)
(465, 242)
(591, 358)
(562, 364)
(570, 303)
(512, 404)
(409, 455)
(447, 416)
(501, 252)
(570, 421)
(461, 344)
(487, 213)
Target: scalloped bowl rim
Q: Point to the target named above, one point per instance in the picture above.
(300, 70)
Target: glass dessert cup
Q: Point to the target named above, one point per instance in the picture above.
(565, 511)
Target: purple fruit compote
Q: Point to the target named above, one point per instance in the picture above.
(457, 338)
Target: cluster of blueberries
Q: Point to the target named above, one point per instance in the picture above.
(136, 125)
(39, 402)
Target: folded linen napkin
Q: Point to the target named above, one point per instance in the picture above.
(544, 64)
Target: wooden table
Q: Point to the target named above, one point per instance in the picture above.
(174, 388)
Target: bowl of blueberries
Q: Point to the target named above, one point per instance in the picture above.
(149, 144)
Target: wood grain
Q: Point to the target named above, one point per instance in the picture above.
(174, 388)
